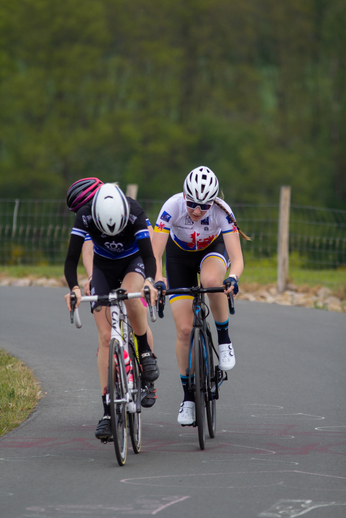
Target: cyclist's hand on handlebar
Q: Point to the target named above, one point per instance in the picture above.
(161, 299)
(153, 291)
(160, 285)
(77, 291)
(231, 285)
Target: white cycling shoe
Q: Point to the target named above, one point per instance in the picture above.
(226, 357)
(186, 414)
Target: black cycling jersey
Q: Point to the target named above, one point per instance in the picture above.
(133, 241)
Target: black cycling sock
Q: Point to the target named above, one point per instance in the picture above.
(106, 408)
(143, 346)
(222, 332)
(188, 394)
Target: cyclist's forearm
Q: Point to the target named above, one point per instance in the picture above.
(71, 274)
(72, 259)
(146, 252)
(159, 246)
(233, 247)
(237, 268)
(88, 256)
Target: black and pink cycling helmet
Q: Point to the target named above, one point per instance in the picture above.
(81, 192)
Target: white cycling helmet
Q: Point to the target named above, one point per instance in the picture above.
(201, 185)
(110, 209)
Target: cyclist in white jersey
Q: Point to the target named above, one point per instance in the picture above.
(199, 232)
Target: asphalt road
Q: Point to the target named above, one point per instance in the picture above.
(279, 450)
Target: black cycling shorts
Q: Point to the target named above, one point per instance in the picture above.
(182, 267)
(110, 277)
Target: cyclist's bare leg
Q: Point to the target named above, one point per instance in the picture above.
(104, 331)
(213, 271)
(212, 274)
(183, 318)
(150, 338)
(149, 331)
(133, 282)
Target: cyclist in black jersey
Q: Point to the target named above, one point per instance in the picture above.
(88, 254)
(122, 255)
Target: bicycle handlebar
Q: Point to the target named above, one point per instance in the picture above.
(119, 294)
(194, 290)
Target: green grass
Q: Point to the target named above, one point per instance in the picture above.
(19, 392)
(50, 272)
(328, 278)
(265, 272)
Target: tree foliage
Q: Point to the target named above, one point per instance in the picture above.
(142, 91)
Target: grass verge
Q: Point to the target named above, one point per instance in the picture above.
(19, 392)
(50, 272)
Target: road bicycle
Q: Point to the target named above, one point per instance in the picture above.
(203, 356)
(123, 396)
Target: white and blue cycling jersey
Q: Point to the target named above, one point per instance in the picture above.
(189, 235)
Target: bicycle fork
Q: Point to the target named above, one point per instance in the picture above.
(121, 338)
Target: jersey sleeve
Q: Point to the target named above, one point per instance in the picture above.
(140, 226)
(166, 217)
(138, 220)
(81, 222)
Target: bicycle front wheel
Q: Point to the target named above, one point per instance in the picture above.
(210, 399)
(199, 386)
(117, 391)
(135, 419)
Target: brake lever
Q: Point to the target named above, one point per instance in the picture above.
(73, 298)
(230, 299)
(161, 300)
(147, 298)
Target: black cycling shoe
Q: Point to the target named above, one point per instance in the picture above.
(103, 429)
(149, 366)
(150, 399)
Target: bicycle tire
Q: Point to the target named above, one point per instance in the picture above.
(210, 400)
(199, 386)
(135, 419)
(117, 391)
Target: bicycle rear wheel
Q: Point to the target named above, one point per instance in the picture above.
(135, 419)
(199, 386)
(210, 400)
(117, 391)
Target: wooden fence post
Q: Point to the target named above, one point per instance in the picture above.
(131, 190)
(283, 237)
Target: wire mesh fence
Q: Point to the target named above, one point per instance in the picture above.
(36, 232)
